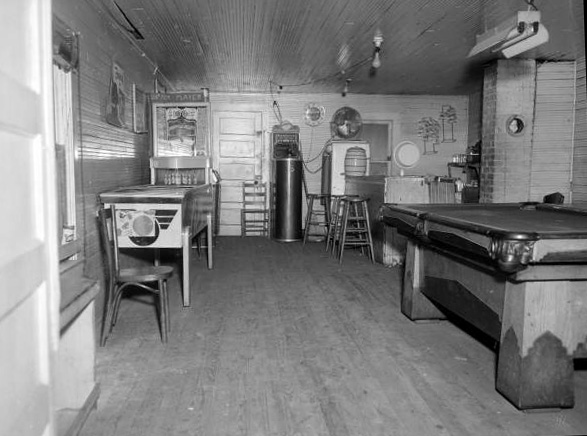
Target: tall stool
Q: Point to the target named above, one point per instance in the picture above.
(355, 230)
(318, 215)
(334, 222)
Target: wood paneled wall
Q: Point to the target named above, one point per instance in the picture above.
(538, 162)
(580, 140)
(107, 156)
(552, 139)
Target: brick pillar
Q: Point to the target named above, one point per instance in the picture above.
(508, 89)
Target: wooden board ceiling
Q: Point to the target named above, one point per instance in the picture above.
(316, 45)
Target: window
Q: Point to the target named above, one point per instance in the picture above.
(64, 63)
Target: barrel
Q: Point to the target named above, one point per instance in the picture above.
(355, 162)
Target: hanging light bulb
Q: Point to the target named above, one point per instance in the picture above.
(345, 90)
(376, 61)
(377, 41)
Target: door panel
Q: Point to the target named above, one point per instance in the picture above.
(237, 123)
(239, 149)
(238, 156)
(29, 277)
(237, 171)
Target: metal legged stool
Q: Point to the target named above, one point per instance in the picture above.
(355, 228)
(315, 217)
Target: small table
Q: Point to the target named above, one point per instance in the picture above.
(517, 272)
(173, 215)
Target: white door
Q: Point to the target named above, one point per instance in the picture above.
(29, 277)
(238, 156)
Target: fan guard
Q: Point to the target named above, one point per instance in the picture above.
(346, 123)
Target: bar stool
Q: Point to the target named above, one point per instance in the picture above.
(355, 228)
(318, 215)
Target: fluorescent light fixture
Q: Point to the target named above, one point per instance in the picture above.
(533, 36)
(514, 36)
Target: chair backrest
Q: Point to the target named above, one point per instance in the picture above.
(107, 227)
(254, 194)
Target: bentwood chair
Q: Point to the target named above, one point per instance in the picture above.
(150, 278)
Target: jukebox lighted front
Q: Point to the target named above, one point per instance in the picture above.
(149, 225)
(180, 138)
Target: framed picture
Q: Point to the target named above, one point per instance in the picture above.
(115, 104)
(139, 110)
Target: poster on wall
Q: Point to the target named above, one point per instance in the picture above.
(139, 110)
(115, 104)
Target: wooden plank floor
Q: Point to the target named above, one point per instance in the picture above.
(281, 341)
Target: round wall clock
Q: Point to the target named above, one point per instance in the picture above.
(314, 114)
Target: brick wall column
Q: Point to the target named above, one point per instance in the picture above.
(508, 89)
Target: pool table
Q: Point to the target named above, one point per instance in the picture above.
(515, 271)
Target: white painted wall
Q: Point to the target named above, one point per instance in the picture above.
(404, 111)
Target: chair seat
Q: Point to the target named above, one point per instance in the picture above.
(145, 274)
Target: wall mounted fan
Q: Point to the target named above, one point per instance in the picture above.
(346, 123)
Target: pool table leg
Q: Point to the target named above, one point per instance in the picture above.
(535, 361)
(414, 304)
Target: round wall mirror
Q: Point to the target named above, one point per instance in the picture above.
(515, 125)
(406, 155)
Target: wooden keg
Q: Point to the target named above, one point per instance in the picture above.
(355, 162)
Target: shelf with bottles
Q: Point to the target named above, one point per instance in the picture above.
(468, 163)
(180, 170)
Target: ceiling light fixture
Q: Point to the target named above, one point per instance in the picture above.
(516, 35)
(377, 41)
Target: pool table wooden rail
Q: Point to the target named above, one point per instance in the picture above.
(511, 250)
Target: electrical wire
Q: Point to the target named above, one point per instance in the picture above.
(320, 153)
(322, 79)
(531, 4)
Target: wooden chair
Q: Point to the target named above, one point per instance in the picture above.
(255, 212)
(150, 278)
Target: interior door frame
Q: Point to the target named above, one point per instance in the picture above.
(390, 140)
(261, 171)
(29, 268)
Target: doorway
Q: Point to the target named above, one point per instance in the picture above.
(238, 156)
(379, 134)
